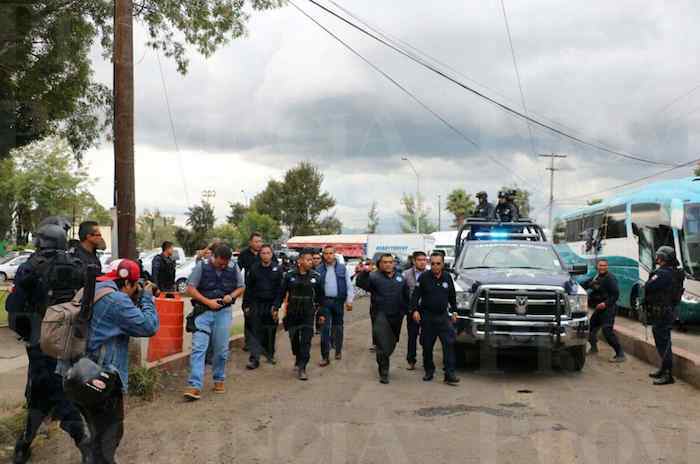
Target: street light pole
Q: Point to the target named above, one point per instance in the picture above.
(416, 210)
(551, 170)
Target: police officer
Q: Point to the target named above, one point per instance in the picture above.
(246, 259)
(263, 283)
(431, 298)
(659, 304)
(90, 241)
(389, 304)
(338, 297)
(506, 210)
(303, 289)
(420, 263)
(164, 268)
(602, 299)
(26, 307)
(484, 209)
(214, 287)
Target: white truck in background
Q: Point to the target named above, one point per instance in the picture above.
(400, 245)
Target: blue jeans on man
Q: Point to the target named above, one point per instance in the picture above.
(213, 328)
(332, 329)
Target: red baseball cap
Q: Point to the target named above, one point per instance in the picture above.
(122, 269)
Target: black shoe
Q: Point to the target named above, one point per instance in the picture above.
(245, 348)
(451, 379)
(338, 356)
(252, 365)
(302, 374)
(373, 348)
(428, 377)
(384, 378)
(665, 379)
(411, 366)
(23, 452)
(657, 374)
(272, 360)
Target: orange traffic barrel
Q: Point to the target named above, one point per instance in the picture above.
(169, 338)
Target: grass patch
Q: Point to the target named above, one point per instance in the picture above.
(144, 383)
(11, 426)
(3, 313)
(237, 327)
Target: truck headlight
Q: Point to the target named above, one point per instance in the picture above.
(464, 300)
(578, 303)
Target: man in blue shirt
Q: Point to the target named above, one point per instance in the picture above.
(128, 310)
(420, 264)
(339, 294)
(214, 286)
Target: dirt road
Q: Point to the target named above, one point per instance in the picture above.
(606, 414)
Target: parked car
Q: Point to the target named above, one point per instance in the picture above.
(147, 260)
(9, 268)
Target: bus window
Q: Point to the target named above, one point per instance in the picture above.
(651, 224)
(615, 226)
(649, 215)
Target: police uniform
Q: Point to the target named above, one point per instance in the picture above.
(44, 389)
(660, 312)
(603, 289)
(263, 283)
(432, 297)
(304, 293)
(506, 212)
(412, 327)
(484, 210)
(388, 305)
(164, 270)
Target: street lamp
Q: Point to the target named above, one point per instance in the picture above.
(416, 210)
(245, 198)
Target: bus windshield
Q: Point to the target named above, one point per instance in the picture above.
(690, 240)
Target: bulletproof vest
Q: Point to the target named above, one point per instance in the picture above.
(662, 297)
(677, 288)
(214, 285)
(302, 292)
(340, 277)
(484, 210)
(60, 277)
(598, 293)
(505, 212)
(166, 271)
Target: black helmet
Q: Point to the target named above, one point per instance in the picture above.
(667, 254)
(51, 236)
(60, 221)
(482, 194)
(502, 194)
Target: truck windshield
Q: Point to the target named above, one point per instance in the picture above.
(690, 240)
(509, 256)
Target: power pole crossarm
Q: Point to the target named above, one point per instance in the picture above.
(552, 157)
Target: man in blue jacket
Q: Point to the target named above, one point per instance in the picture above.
(339, 294)
(127, 311)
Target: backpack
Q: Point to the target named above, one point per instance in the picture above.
(64, 333)
(61, 275)
(677, 286)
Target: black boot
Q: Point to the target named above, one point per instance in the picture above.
(665, 379)
(451, 379)
(302, 374)
(657, 374)
(384, 376)
(23, 452)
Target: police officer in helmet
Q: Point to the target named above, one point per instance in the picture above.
(506, 210)
(661, 294)
(484, 209)
(26, 307)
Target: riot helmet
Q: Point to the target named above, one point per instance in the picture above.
(667, 254)
(60, 221)
(51, 236)
(482, 195)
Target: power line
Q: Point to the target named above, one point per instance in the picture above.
(503, 106)
(517, 75)
(172, 130)
(410, 94)
(636, 181)
(677, 99)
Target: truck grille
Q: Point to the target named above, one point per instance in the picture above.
(520, 302)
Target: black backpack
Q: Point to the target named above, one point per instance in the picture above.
(677, 288)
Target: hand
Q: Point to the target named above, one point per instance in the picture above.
(601, 307)
(416, 316)
(275, 315)
(454, 317)
(150, 287)
(212, 304)
(228, 299)
(348, 306)
(321, 319)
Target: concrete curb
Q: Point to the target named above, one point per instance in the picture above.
(686, 365)
(180, 361)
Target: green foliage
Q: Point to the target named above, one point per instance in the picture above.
(460, 204)
(238, 210)
(144, 383)
(297, 201)
(189, 240)
(254, 221)
(11, 427)
(227, 233)
(373, 219)
(594, 201)
(7, 196)
(330, 225)
(152, 229)
(408, 216)
(201, 218)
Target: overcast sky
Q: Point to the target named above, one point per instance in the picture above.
(288, 92)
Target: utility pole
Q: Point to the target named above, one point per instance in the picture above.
(552, 170)
(416, 209)
(439, 212)
(207, 195)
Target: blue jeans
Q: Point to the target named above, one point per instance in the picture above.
(332, 330)
(214, 327)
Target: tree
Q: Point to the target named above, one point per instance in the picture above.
(46, 81)
(408, 216)
(238, 210)
(297, 201)
(227, 233)
(189, 240)
(201, 218)
(594, 201)
(373, 219)
(460, 204)
(254, 221)
(152, 229)
(330, 225)
(522, 199)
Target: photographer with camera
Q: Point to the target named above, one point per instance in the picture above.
(127, 311)
(214, 287)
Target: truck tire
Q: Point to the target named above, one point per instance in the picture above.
(575, 358)
(466, 355)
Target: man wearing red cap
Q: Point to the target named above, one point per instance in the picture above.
(128, 311)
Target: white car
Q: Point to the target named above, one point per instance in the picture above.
(183, 273)
(9, 269)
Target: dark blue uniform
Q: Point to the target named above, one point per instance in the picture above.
(658, 296)
(263, 283)
(44, 390)
(432, 297)
(603, 289)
